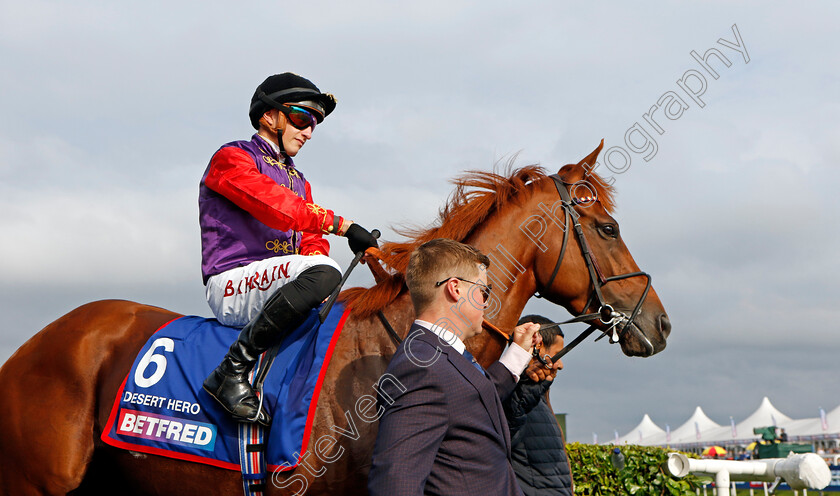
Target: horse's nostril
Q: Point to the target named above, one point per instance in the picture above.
(664, 325)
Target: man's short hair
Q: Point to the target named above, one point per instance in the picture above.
(548, 335)
(436, 260)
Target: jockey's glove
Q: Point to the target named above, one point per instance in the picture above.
(359, 238)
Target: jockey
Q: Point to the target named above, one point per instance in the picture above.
(264, 259)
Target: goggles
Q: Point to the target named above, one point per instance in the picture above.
(298, 117)
(485, 288)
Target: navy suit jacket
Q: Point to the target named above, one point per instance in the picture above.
(446, 432)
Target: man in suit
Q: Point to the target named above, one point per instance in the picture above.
(444, 432)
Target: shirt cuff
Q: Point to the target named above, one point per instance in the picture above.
(515, 359)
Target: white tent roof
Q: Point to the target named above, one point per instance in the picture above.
(649, 434)
(724, 434)
(800, 427)
(687, 432)
(813, 426)
(766, 415)
(639, 434)
(833, 418)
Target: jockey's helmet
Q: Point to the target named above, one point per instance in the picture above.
(289, 88)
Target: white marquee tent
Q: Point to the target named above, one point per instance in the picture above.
(641, 433)
(700, 430)
(766, 415)
(813, 427)
(690, 431)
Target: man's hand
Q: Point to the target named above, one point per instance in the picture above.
(537, 372)
(527, 336)
(359, 238)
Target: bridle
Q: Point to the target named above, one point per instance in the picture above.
(618, 323)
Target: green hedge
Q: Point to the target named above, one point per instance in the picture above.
(644, 472)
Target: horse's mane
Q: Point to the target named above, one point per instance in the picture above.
(477, 194)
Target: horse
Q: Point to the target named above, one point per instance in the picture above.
(79, 361)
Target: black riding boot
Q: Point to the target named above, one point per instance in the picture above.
(228, 383)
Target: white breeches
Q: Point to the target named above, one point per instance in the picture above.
(236, 296)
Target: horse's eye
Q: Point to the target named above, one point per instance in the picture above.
(609, 230)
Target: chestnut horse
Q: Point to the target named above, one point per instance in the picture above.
(58, 388)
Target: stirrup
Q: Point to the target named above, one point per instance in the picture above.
(262, 417)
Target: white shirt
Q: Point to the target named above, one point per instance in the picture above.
(514, 358)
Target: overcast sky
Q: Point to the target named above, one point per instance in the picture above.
(110, 112)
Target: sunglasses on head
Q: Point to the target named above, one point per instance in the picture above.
(299, 117)
(485, 288)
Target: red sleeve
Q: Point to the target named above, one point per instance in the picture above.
(311, 243)
(233, 174)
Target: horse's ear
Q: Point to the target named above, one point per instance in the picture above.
(573, 173)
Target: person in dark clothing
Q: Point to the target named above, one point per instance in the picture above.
(538, 451)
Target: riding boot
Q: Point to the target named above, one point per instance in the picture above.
(228, 383)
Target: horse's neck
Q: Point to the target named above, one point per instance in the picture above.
(512, 276)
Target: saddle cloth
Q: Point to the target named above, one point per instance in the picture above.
(161, 408)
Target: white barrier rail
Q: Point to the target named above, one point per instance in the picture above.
(802, 471)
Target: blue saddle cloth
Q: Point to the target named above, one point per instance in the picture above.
(161, 408)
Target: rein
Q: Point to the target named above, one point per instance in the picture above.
(618, 322)
(492, 328)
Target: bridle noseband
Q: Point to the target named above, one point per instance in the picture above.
(618, 322)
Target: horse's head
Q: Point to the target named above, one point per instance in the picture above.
(545, 254)
(629, 308)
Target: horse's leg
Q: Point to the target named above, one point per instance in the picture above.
(48, 426)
